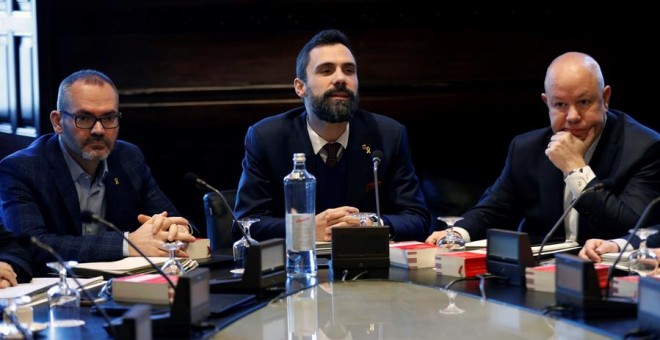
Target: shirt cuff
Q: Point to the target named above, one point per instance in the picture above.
(622, 242)
(577, 179)
(463, 232)
(124, 247)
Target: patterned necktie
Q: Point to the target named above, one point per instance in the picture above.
(331, 149)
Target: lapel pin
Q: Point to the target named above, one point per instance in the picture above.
(366, 148)
(116, 181)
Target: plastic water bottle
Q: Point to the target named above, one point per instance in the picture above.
(300, 214)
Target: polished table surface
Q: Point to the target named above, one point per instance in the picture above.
(381, 309)
(404, 306)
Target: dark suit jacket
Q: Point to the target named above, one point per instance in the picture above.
(39, 198)
(531, 189)
(270, 144)
(15, 254)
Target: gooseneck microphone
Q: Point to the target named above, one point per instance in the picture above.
(640, 222)
(200, 183)
(598, 187)
(25, 239)
(376, 158)
(88, 217)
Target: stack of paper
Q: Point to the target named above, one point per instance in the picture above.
(36, 289)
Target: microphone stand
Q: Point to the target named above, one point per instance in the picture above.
(88, 216)
(642, 219)
(201, 184)
(73, 275)
(597, 187)
(376, 160)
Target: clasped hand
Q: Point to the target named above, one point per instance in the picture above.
(158, 229)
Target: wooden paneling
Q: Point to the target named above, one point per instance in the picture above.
(195, 74)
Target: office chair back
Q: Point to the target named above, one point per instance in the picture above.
(218, 219)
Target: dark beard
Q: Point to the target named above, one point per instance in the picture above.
(333, 111)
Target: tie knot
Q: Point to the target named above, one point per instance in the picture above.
(331, 149)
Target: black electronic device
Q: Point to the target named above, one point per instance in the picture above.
(579, 292)
(136, 323)
(264, 269)
(508, 253)
(360, 252)
(648, 308)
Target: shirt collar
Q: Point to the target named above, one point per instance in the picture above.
(75, 169)
(318, 142)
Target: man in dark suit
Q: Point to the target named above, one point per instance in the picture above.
(15, 265)
(585, 144)
(327, 82)
(82, 166)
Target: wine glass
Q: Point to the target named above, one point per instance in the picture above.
(240, 246)
(17, 321)
(643, 261)
(172, 266)
(63, 300)
(451, 306)
(365, 218)
(451, 241)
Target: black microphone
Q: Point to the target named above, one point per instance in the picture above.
(87, 217)
(376, 157)
(598, 187)
(25, 240)
(642, 220)
(200, 183)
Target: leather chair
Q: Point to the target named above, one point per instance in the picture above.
(219, 219)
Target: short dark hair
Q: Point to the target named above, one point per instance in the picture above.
(89, 77)
(325, 37)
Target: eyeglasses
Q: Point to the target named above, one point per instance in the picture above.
(110, 121)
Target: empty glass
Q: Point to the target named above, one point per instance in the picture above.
(172, 266)
(451, 241)
(643, 261)
(240, 246)
(366, 219)
(451, 306)
(63, 300)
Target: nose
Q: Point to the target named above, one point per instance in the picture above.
(339, 77)
(573, 114)
(98, 128)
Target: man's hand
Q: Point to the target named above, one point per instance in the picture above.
(435, 236)
(177, 228)
(595, 247)
(7, 275)
(336, 217)
(566, 151)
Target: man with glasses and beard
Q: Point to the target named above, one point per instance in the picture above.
(82, 166)
(330, 122)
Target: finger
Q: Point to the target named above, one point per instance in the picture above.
(4, 283)
(142, 218)
(181, 253)
(172, 232)
(157, 222)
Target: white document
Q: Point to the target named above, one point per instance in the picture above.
(547, 249)
(123, 266)
(41, 284)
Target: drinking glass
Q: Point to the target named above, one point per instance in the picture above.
(15, 326)
(643, 260)
(451, 241)
(240, 246)
(451, 306)
(63, 300)
(366, 219)
(172, 266)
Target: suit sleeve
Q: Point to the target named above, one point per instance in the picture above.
(255, 192)
(16, 255)
(406, 213)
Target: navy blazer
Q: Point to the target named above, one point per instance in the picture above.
(529, 193)
(271, 143)
(39, 198)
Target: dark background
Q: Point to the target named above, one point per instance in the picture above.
(193, 75)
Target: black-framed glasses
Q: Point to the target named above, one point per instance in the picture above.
(110, 121)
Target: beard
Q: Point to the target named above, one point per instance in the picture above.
(97, 152)
(330, 110)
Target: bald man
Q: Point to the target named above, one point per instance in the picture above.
(585, 144)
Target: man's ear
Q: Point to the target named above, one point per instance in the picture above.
(56, 121)
(300, 87)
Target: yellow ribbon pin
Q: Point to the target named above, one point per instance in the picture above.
(116, 181)
(366, 148)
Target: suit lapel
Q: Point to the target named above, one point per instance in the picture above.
(363, 139)
(61, 176)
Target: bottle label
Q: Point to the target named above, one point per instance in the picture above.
(300, 232)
